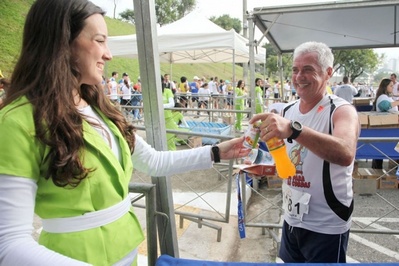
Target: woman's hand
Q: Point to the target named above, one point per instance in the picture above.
(232, 149)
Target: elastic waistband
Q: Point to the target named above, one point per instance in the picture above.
(88, 220)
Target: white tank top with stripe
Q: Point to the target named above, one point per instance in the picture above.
(319, 196)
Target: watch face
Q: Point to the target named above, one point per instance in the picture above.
(296, 125)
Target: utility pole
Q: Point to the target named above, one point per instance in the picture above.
(245, 34)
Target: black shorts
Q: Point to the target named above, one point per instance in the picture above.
(301, 245)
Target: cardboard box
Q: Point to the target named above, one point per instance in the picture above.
(195, 141)
(378, 119)
(274, 181)
(365, 180)
(257, 169)
(388, 181)
(363, 119)
(361, 101)
(227, 119)
(368, 180)
(369, 173)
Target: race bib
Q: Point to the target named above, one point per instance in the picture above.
(295, 203)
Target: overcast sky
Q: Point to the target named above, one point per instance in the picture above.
(234, 8)
(209, 8)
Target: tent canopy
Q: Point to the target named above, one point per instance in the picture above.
(339, 24)
(192, 39)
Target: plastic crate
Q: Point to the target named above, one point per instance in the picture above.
(211, 128)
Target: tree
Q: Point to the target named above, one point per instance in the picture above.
(166, 11)
(227, 22)
(272, 68)
(128, 15)
(354, 62)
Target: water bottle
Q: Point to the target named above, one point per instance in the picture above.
(251, 136)
(285, 168)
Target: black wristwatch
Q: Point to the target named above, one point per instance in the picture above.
(216, 154)
(296, 128)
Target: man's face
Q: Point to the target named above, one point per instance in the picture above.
(393, 78)
(308, 77)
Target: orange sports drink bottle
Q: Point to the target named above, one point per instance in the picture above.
(285, 168)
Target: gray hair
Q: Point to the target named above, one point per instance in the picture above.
(325, 56)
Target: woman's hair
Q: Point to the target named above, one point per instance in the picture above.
(47, 74)
(183, 79)
(126, 82)
(5, 83)
(256, 81)
(239, 83)
(382, 89)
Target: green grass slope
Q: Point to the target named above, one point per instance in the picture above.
(12, 16)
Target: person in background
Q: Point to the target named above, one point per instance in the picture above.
(258, 96)
(383, 102)
(114, 76)
(213, 88)
(329, 89)
(334, 86)
(183, 89)
(293, 93)
(395, 90)
(114, 89)
(320, 132)
(169, 102)
(67, 153)
(126, 92)
(224, 102)
(194, 87)
(346, 91)
(287, 90)
(125, 76)
(136, 101)
(169, 84)
(239, 104)
(229, 96)
(276, 89)
(204, 94)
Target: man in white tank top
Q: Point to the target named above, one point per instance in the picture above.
(320, 132)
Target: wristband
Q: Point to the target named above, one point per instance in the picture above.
(216, 154)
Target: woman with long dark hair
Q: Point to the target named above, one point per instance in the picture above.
(383, 99)
(67, 152)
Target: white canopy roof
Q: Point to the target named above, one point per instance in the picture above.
(339, 24)
(192, 39)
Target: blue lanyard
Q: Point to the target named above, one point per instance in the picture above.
(240, 212)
